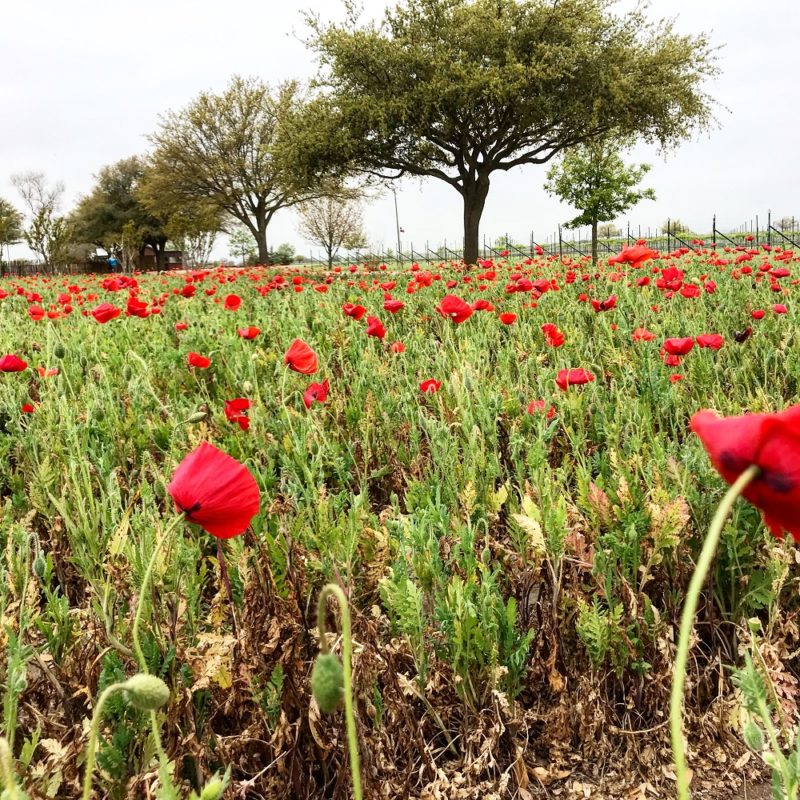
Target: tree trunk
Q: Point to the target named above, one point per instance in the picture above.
(261, 241)
(594, 242)
(474, 200)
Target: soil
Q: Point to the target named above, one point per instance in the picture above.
(762, 791)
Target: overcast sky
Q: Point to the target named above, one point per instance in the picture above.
(83, 83)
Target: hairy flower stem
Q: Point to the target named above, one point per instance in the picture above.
(347, 651)
(9, 781)
(94, 732)
(687, 623)
(137, 646)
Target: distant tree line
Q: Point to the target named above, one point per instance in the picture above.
(454, 90)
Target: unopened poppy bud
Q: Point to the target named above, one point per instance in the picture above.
(486, 556)
(213, 789)
(146, 692)
(59, 351)
(753, 737)
(247, 387)
(127, 372)
(39, 565)
(327, 682)
(198, 416)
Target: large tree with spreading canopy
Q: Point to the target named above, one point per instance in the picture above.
(458, 89)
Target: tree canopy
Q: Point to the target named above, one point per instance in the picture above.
(594, 179)
(11, 229)
(333, 223)
(458, 89)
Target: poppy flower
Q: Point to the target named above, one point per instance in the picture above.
(36, 313)
(605, 305)
(301, 358)
(430, 386)
(196, 360)
(679, 347)
(393, 306)
(553, 337)
(215, 492)
(105, 312)
(779, 308)
(772, 443)
(27, 408)
(250, 332)
(232, 302)
(573, 377)
(508, 318)
(538, 406)
(354, 311)
(397, 347)
(375, 328)
(482, 305)
(454, 308)
(316, 391)
(713, 341)
(46, 373)
(235, 411)
(758, 314)
(674, 378)
(12, 363)
(642, 335)
(181, 326)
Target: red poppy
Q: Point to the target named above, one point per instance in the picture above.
(235, 411)
(642, 335)
(674, 378)
(105, 312)
(301, 358)
(454, 308)
(605, 305)
(27, 408)
(538, 406)
(316, 391)
(553, 337)
(375, 328)
(508, 318)
(679, 347)
(573, 377)
(758, 314)
(772, 443)
(215, 491)
(181, 326)
(779, 308)
(397, 347)
(36, 313)
(713, 341)
(232, 302)
(249, 332)
(12, 363)
(482, 305)
(354, 311)
(46, 373)
(430, 386)
(393, 306)
(196, 360)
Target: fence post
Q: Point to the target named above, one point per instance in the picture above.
(769, 227)
(560, 245)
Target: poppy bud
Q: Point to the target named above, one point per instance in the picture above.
(327, 682)
(753, 737)
(59, 351)
(486, 556)
(99, 415)
(127, 372)
(247, 388)
(198, 416)
(146, 692)
(39, 565)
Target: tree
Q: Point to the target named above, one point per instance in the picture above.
(242, 246)
(229, 150)
(594, 179)
(115, 217)
(48, 233)
(11, 228)
(787, 223)
(608, 231)
(458, 89)
(675, 225)
(333, 223)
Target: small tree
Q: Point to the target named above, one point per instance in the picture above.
(194, 231)
(608, 231)
(48, 233)
(11, 228)
(787, 223)
(241, 246)
(676, 226)
(594, 179)
(333, 223)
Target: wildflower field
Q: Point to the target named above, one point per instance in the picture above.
(496, 466)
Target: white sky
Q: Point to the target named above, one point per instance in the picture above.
(83, 82)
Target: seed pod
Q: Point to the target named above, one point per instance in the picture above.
(146, 692)
(327, 682)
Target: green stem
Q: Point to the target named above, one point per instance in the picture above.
(783, 767)
(7, 770)
(137, 646)
(347, 648)
(94, 732)
(687, 623)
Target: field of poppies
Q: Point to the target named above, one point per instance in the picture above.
(495, 464)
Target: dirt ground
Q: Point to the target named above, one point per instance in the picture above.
(762, 791)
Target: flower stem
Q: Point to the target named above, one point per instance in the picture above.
(687, 623)
(347, 648)
(94, 731)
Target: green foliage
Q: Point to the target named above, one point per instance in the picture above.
(11, 228)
